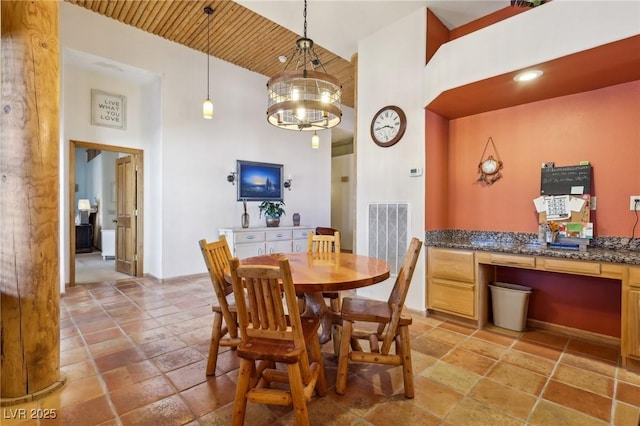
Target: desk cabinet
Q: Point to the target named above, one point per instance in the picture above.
(631, 313)
(451, 282)
(457, 285)
(248, 242)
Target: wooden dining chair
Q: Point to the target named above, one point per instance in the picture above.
(270, 337)
(216, 256)
(392, 327)
(329, 241)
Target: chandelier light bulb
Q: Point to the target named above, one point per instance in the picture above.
(301, 113)
(295, 94)
(325, 97)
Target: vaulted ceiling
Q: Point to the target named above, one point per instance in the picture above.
(237, 34)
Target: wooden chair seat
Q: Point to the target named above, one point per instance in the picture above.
(371, 311)
(390, 326)
(279, 350)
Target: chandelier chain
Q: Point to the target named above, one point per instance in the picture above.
(304, 14)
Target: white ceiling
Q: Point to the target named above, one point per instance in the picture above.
(338, 25)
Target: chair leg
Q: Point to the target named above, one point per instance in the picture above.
(214, 346)
(316, 356)
(343, 359)
(407, 367)
(297, 394)
(242, 387)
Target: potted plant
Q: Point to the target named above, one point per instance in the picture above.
(272, 211)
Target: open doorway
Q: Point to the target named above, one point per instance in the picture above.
(112, 227)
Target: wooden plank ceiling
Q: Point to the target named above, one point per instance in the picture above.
(237, 34)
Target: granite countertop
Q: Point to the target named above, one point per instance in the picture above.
(601, 249)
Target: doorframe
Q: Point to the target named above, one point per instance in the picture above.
(138, 153)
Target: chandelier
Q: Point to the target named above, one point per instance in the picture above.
(304, 96)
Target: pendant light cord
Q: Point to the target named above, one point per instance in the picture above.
(208, 48)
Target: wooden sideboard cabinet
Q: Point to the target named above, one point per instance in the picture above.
(248, 242)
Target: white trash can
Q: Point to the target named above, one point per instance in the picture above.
(510, 304)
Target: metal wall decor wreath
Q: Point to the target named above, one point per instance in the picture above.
(490, 167)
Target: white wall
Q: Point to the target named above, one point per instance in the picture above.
(186, 158)
(390, 67)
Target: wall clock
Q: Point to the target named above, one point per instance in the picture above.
(489, 168)
(388, 126)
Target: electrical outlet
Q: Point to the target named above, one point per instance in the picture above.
(634, 202)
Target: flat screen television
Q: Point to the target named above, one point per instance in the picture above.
(259, 181)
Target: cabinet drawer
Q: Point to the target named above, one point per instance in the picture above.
(572, 266)
(248, 237)
(453, 297)
(301, 234)
(634, 276)
(512, 260)
(452, 264)
(278, 235)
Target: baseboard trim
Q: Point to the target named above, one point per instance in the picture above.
(574, 332)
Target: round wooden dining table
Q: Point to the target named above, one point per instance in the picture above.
(314, 273)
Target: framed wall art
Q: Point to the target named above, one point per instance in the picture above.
(259, 181)
(108, 110)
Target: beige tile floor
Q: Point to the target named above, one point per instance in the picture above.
(134, 353)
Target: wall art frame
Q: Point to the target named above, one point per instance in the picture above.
(259, 181)
(108, 109)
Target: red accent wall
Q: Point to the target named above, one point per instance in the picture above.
(601, 126)
(586, 303)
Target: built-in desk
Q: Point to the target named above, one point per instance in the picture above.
(458, 274)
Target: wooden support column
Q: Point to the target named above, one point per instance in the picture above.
(29, 201)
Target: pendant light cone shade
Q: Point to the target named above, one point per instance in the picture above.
(207, 105)
(305, 98)
(315, 141)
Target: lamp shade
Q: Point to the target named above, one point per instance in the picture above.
(207, 109)
(84, 204)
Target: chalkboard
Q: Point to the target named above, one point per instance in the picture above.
(569, 180)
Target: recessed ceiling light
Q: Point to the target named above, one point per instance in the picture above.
(528, 75)
(282, 58)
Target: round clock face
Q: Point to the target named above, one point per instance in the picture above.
(489, 166)
(388, 126)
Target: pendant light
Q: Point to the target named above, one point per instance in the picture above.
(305, 98)
(315, 141)
(207, 105)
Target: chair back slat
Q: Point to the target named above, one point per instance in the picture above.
(266, 317)
(323, 243)
(399, 294)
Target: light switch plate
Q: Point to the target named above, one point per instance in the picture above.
(593, 203)
(632, 202)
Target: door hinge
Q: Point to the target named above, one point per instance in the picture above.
(135, 212)
(135, 257)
